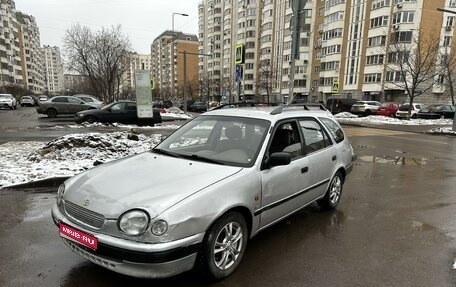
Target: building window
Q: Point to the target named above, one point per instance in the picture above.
(373, 78)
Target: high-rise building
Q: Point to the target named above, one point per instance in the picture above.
(342, 47)
(164, 66)
(53, 70)
(137, 62)
(30, 47)
(10, 58)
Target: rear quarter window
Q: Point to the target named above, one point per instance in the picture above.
(334, 129)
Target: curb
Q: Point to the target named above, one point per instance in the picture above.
(44, 183)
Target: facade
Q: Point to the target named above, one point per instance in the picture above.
(30, 47)
(53, 70)
(10, 58)
(163, 66)
(137, 62)
(342, 50)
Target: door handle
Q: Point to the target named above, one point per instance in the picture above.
(334, 157)
(304, 169)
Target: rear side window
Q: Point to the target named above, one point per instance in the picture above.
(314, 136)
(334, 129)
(60, 100)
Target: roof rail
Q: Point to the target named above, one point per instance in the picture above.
(306, 106)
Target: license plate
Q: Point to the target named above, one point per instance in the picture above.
(78, 236)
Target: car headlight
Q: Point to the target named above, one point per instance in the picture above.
(159, 227)
(134, 222)
(60, 193)
(79, 115)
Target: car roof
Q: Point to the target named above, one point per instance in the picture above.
(269, 113)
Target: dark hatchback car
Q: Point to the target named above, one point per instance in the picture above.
(437, 111)
(118, 112)
(198, 107)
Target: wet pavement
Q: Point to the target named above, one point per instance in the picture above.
(395, 226)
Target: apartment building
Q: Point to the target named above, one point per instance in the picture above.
(137, 62)
(30, 47)
(342, 47)
(10, 59)
(53, 70)
(167, 64)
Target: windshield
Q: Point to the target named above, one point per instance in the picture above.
(5, 97)
(218, 139)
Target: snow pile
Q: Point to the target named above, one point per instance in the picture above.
(345, 118)
(22, 162)
(175, 113)
(442, 131)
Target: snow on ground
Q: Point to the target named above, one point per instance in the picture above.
(22, 162)
(348, 118)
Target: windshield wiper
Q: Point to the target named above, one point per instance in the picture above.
(204, 159)
(166, 152)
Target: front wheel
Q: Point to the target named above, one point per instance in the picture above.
(52, 113)
(224, 246)
(90, 119)
(333, 194)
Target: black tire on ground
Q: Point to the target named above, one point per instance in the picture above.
(51, 112)
(12, 107)
(223, 246)
(367, 113)
(414, 116)
(333, 194)
(90, 119)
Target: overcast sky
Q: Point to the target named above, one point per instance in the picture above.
(141, 20)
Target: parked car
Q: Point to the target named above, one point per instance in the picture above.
(8, 101)
(365, 108)
(336, 106)
(42, 98)
(402, 113)
(62, 105)
(189, 103)
(90, 100)
(388, 109)
(198, 107)
(437, 111)
(146, 215)
(27, 101)
(124, 112)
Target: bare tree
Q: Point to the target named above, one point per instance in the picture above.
(102, 56)
(448, 64)
(412, 63)
(264, 80)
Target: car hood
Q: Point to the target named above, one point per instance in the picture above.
(148, 181)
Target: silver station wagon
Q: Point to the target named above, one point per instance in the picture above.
(196, 198)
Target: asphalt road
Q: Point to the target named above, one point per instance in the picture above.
(394, 227)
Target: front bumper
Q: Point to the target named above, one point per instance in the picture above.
(144, 260)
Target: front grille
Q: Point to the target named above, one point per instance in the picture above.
(84, 215)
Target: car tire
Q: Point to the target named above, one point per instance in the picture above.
(367, 113)
(90, 119)
(223, 246)
(414, 116)
(51, 113)
(333, 194)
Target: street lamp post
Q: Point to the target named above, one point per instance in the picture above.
(172, 54)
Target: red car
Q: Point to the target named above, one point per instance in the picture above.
(388, 109)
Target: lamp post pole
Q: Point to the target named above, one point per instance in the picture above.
(185, 75)
(172, 54)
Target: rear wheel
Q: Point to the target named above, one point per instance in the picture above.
(223, 246)
(52, 113)
(367, 113)
(333, 194)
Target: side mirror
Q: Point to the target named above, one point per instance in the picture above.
(278, 158)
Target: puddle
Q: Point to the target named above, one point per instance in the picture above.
(417, 225)
(397, 160)
(364, 146)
